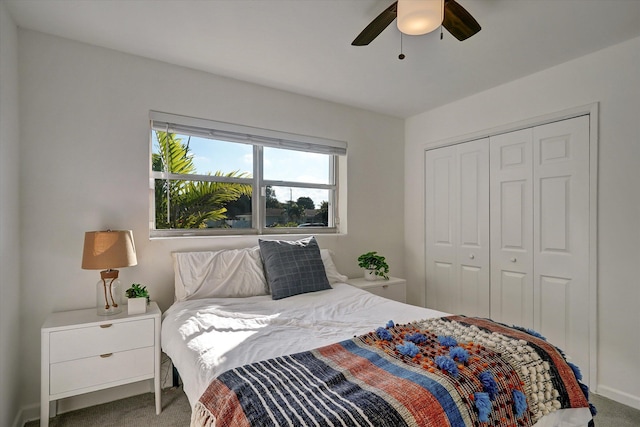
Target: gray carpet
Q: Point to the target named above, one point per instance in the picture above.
(614, 414)
(134, 411)
(140, 411)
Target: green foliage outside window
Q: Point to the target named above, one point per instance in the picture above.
(181, 203)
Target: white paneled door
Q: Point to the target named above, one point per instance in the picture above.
(507, 231)
(511, 168)
(457, 236)
(540, 232)
(561, 230)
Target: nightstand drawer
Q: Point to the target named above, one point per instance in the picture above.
(396, 292)
(394, 288)
(110, 368)
(94, 340)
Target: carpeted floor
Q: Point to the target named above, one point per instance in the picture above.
(614, 414)
(134, 411)
(140, 411)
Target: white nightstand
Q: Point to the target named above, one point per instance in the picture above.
(84, 352)
(394, 288)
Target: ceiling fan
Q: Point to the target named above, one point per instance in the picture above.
(456, 20)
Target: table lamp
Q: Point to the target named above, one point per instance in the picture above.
(106, 251)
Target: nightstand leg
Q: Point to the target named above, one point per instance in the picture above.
(158, 392)
(44, 413)
(157, 381)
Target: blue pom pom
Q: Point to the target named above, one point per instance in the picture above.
(585, 390)
(489, 384)
(576, 371)
(519, 402)
(447, 341)
(408, 349)
(417, 338)
(536, 334)
(447, 364)
(483, 405)
(383, 334)
(390, 324)
(459, 354)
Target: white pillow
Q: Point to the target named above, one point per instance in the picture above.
(221, 274)
(330, 268)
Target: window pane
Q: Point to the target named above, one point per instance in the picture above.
(296, 166)
(201, 205)
(295, 206)
(194, 155)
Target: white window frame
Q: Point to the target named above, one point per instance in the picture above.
(258, 138)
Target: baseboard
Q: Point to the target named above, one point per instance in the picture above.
(619, 396)
(27, 413)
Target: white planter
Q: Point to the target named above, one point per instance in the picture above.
(370, 275)
(136, 305)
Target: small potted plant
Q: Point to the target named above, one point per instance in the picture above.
(374, 265)
(137, 299)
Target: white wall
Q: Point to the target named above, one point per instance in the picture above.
(610, 77)
(84, 138)
(9, 222)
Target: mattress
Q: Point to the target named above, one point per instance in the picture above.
(207, 337)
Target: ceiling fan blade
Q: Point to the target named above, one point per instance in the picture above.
(376, 26)
(458, 21)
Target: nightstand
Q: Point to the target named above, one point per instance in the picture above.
(84, 352)
(394, 288)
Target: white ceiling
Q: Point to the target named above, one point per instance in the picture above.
(304, 46)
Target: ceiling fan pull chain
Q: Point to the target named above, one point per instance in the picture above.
(440, 32)
(401, 56)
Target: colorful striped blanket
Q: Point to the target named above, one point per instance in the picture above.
(451, 371)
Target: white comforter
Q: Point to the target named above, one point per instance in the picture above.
(206, 337)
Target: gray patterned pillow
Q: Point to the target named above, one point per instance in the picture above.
(293, 267)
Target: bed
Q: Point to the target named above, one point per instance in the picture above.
(327, 353)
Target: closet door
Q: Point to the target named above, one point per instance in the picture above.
(511, 214)
(440, 233)
(561, 230)
(457, 232)
(540, 233)
(473, 227)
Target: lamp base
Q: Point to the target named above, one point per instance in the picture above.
(108, 311)
(108, 293)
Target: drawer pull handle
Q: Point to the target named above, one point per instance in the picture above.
(104, 356)
(107, 325)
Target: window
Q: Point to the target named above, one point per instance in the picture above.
(214, 178)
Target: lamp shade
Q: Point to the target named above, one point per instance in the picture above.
(417, 17)
(108, 249)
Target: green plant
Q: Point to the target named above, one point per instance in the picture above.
(191, 203)
(137, 291)
(375, 262)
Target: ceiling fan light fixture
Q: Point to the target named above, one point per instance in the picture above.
(417, 17)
